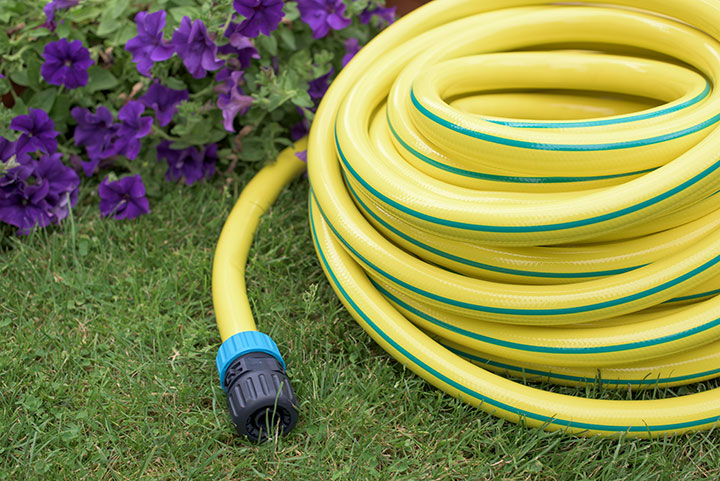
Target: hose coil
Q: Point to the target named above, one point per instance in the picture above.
(527, 187)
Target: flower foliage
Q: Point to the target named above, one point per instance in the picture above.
(163, 88)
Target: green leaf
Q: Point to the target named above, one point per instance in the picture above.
(291, 11)
(175, 83)
(121, 36)
(202, 134)
(108, 25)
(113, 17)
(43, 99)
(284, 142)
(32, 66)
(60, 112)
(215, 136)
(302, 99)
(20, 77)
(83, 12)
(63, 29)
(276, 99)
(100, 79)
(19, 108)
(287, 37)
(253, 149)
(177, 13)
(268, 44)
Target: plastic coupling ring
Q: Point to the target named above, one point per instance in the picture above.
(260, 399)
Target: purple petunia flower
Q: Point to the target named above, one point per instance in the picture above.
(225, 75)
(299, 130)
(323, 15)
(239, 45)
(37, 193)
(189, 164)
(97, 133)
(7, 149)
(233, 101)
(51, 7)
(38, 132)
(124, 198)
(302, 155)
(149, 46)
(319, 86)
(211, 158)
(66, 63)
(195, 48)
(133, 127)
(351, 49)
(163, 100)
(260, 16)
(385, 15)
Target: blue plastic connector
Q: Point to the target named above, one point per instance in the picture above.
(244, 343)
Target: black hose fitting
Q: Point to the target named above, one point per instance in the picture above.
(259, 396)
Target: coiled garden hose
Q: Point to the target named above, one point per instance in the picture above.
(516, 187)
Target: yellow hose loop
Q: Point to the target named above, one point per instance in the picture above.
(230, 301)
(529, 188)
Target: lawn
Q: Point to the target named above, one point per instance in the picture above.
(108, 367)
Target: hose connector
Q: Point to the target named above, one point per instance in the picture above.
(260, 399)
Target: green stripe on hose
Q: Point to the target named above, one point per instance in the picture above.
(526, 312)
(538, 228)
(485, 399)
(566, 377)
(599, 123)
(548, 349)
(561, 147)
(479, 265)
(505, 178)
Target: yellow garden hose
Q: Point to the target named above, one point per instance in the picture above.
(522, 187)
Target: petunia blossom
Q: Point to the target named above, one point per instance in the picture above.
(233, 101)
(385, 15)
(37, 193)
(149, 46)
(299, 130)
(50, 8)
(195, 48)
(323, 15)
(189, 164)
(98, 133)
(351, 49)
(133, 127)
(260, 16)
(38, 132)
(124, 198)
(240, 46)
(319, 86)
(66, 63)
(7, 149)
(164, 101)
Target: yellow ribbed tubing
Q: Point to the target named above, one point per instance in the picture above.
(230, 301)
(528, 188)
(522, 189)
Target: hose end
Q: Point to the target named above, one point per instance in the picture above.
(260, 399)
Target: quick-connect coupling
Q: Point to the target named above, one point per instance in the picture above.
(260, 399)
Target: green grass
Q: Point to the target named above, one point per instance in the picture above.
(108, 368)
